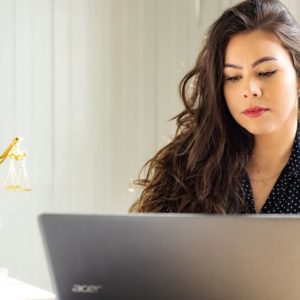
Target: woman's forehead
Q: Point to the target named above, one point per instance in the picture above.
(247, 47)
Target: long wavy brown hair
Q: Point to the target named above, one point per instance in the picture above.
(200, 170)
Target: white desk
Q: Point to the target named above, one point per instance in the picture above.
(12, 289)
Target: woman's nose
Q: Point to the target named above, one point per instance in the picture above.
(252, 90)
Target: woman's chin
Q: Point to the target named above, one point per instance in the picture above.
(260, 130)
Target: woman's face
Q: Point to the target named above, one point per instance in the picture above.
(260, 85)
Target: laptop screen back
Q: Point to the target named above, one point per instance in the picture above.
(141, 257)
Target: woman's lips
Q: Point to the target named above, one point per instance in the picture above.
(254, 112)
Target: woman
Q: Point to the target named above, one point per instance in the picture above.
(236, 148)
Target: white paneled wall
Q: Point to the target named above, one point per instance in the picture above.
(90, 85)
(294, 8)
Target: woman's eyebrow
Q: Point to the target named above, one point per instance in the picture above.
(257, 62)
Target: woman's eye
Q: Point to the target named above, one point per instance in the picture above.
(267, 74)
(232, 78)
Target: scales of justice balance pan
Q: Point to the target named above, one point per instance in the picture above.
(16, 178)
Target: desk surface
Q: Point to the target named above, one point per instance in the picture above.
(12, 289)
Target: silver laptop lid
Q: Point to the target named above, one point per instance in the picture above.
(141, 257)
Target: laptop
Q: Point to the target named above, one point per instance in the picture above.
(173, 257)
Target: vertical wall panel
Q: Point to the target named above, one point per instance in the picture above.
(7, 62)
(62, 105)
(117, 56)
(40, 134)
(165, 70)
(80, 125)
(98, 148)
(8, 205)
(42, 103)
(132, 100)
(147, 115)
(23, 66)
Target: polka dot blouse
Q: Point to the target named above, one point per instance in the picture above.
(284, 197)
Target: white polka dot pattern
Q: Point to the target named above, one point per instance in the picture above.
(284, 197)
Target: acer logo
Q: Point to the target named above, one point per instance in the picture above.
(86, 289)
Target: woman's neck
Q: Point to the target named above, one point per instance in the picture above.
(271, 152)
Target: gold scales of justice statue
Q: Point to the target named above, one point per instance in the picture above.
(17, 178)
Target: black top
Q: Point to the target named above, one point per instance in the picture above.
(284, 197)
